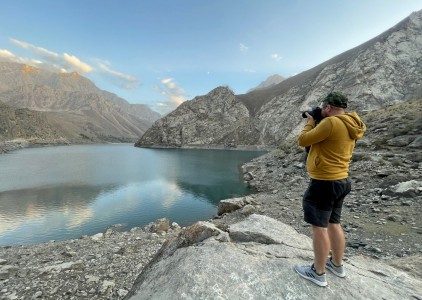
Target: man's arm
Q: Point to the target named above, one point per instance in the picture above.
(312, 134)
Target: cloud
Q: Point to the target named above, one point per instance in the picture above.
(249, 70)
(65, 62)
(72, 62)
(243, 47)
(276, 57)
(125, 81)
(7, 54)
(174, 95)
(44, 54)
(52, 60)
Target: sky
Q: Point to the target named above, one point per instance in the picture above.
(164, 52)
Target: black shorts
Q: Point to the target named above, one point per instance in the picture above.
(323, 201)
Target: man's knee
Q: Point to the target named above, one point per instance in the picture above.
(334, 226)
(319, 230)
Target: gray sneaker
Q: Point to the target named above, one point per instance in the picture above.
(338, 271)
(308, 272)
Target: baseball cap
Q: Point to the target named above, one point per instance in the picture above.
(336, 99)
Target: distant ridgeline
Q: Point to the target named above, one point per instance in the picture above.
(45, 107)
(383, 71)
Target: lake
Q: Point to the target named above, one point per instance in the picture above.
(64, 192)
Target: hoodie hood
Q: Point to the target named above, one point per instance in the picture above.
(354, 125)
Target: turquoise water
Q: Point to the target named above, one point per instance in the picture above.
(65, 192)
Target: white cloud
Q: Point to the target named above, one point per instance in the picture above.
(168, 82)
(249, 70)
(174, 95)
(72, 62)
(276, 57)
(52, 60)
(243, 47)
(118, 78)
(7, 54)
(47, 55)
(67, 63)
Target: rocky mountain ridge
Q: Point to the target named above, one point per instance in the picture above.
(225, 119)
(76, 109)
(378, 73)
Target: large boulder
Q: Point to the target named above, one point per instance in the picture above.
(257, 262)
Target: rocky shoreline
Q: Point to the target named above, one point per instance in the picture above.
(381, 216)
(381, 219)
(16, 144)
(8, 146)
(103, 266)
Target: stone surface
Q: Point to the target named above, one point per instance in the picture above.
(229, 205)
(103, 266)
(256, 270)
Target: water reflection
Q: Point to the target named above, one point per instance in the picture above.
(66, 192)
(36, 211)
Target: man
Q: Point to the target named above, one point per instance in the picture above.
(332, 143)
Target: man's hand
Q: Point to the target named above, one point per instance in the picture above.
(309, 116)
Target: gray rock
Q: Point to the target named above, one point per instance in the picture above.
(394, 218)
(159, 226)
(37, 295)
(265, 230)
(405, 189)
(97, 236)
(229, 205)
(417, 142)
(248, 209)
(401, 141)
(106, 287)
(7, 271)
(252, 270)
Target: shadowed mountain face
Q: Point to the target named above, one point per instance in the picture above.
(378, 73)
(74, 108)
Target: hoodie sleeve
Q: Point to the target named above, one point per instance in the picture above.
(311, 135)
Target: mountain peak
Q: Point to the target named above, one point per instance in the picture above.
(269, 82)
(27, 69)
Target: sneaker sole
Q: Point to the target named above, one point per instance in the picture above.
(317, 282)
(341, 275)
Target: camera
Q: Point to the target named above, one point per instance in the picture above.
(315, 113)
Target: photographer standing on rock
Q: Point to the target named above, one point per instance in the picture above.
(332, 143)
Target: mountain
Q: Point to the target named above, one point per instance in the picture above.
(73, 105)
(269, 82)
(383, 71)
(217, 118)
(24, 123)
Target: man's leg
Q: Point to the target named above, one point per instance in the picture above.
(321, 245)
(338, 243)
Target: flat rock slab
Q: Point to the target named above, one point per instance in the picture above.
(214, 269)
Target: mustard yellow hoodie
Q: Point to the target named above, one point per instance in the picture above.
(332, 143)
